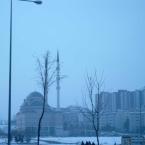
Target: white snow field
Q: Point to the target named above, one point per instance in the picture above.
(2, 140)
(78, 140)
(69, 141)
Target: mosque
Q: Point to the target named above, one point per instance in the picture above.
(56, 121)
(29, 114)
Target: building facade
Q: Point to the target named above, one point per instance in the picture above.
(124, 110)
(56, 121)
(28, 116)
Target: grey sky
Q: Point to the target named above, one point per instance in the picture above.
(103, 34)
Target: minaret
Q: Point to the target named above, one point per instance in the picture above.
(58, 81)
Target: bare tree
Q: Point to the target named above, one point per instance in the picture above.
(93, 102)
(47, 78)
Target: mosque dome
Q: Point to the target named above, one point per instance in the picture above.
(33, 100)
(35, 94)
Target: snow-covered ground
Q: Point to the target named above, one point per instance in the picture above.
(74, 140)
(71, 140)
(2, 140)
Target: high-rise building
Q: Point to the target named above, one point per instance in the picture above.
(123, 100)
(124, 108)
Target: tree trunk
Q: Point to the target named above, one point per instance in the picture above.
(96, 132)
(40, 120)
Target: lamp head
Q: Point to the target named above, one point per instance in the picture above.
(38, 2)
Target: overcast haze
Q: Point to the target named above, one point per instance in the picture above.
(108, 35)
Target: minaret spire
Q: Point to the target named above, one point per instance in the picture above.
(58, 81)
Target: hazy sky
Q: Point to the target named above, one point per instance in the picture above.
(108, 35)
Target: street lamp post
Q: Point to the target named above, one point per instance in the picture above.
(10, 74)
(10, 65)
